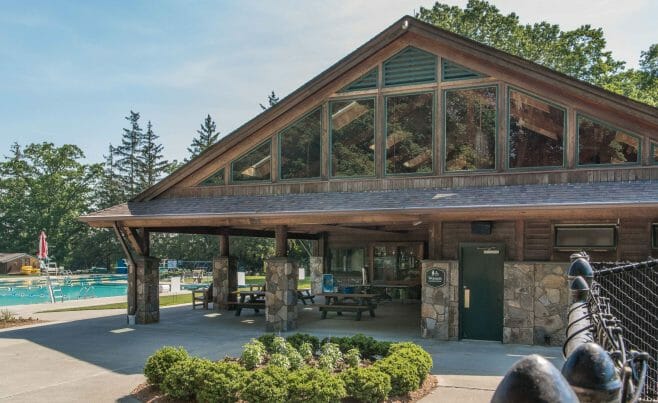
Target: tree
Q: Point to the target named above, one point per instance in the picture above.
(151, 162)
(128, 163)
(641, 84)
(579, 53)
(272, 100)
(44, 187)
(110, 189)
(208, 135)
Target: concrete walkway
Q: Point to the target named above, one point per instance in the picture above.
(94, 356)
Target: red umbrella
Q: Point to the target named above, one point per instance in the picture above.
(43, 246)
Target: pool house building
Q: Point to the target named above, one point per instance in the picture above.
(458, 174)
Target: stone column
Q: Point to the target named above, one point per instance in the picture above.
(280, 295)
(224, 282)
(518, 304)
(439, 304)
(144, 290)
(316, 267)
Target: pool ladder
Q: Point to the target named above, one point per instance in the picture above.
(54, 292)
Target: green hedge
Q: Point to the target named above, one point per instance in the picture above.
(266, 385)
(223, 383)
(366, 384)
(311, 385)
(159, 363)
(367, 346)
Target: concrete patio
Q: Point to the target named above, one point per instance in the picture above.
(94, 356)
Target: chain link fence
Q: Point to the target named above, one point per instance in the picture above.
(627, 294)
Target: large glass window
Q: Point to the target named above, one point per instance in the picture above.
(654, 153)
(254, 165)
(300, 147)
(536, 132)
(654, 235)
(599, 143)
(215, 179)
(353, 138)
(470, 129)
(594, 236)
(347, 264)
(409, 133)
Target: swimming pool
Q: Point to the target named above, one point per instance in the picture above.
(35, 290)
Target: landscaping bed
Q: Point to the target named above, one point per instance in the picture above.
(300, 368)
(8, 319)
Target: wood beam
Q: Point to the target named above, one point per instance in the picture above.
(435, 232)
(355, 230)
(223, 245)
(203, 230)
(134, 239)
(281, 238)
(519, 239)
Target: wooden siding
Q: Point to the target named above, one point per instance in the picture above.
(634, 242)
(538, 240)
(455, 233)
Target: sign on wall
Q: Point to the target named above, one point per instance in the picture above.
(435, 277)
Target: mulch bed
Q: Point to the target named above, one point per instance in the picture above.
(19, 322)
(151, 394)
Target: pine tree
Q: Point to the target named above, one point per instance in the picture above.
(110, 191)
(272, 100)
(151, 162)
(128, 162)
(208, 135)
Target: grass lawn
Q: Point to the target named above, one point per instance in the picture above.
(164, 301)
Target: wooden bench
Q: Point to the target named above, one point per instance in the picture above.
(201, 296)
(239, 306)
(339, 309)
(305, 295)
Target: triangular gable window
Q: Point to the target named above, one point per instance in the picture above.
(216, 179)
(452, 71)
(255, 165)
(367, 81)
(410, 66)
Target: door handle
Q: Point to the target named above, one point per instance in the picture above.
(467, 297)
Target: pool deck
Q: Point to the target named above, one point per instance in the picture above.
(85, 356)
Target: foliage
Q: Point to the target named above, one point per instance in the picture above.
(352, 357)
(223, 383)
(404, 376)
(6, 315)
(151, 161)
(279, 345)
(253, 354)
(268, 341)
(159, 363)
(128, 163)
(207, 136)
(366, 384)
(298, 339)
(266, 385)
(330, 357)
(311, 385)
(295, 358)
(306, 350)
(640, 84)
(279, 360)
(186, 377)
(367, 346)
(414, 354)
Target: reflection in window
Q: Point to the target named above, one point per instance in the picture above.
(353, 138)
(409, 134)
(470, 129)
(585, 236)
(300, 147)
(347, 264)
(255, 165)
(602, 144)
(536, 132)
(215, 179)
(654, 153)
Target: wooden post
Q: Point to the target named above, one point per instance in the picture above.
(281, 237)
(145, 242)
(434, 241)
(519, 239)
(223, 245)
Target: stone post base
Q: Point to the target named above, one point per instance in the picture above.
(224, 282)
(144, 292)
(440, 307)
(316, 268)
(280, 295)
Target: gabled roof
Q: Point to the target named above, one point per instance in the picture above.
(8, 257)
(392, 33)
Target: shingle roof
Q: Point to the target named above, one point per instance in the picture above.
(8, 257)
(574, 194)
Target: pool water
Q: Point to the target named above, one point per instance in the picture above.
(35, 291)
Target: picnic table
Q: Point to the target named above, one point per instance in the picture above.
(342, 302)
(252, 299)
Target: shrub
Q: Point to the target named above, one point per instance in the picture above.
(266, 385)
(185, 377)
(404, 375)
(330, 357)
(311, 385)
(222, 383)
(306, 350)
(279, 345)
(368, 346)
(279, 360)
(298, 339)
(366, 384)
(295, 358)
(352, 358)
(414, 354)
(253, 354)
(159, 363)
(268, 340)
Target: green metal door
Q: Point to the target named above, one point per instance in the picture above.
(481, 291)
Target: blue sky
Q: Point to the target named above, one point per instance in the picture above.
(71, 70)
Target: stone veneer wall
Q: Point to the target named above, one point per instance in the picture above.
(224, 281)
(316, 267)
(147, 284)
(535, 304)
(280, 295)
(439, 312)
